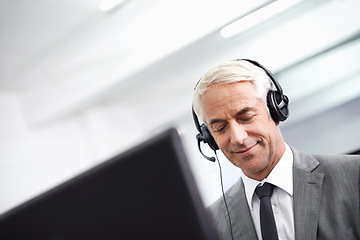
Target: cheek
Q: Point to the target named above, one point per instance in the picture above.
(221, 141)
(264, 127)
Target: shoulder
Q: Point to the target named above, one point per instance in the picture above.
(234, 203)
(233, 200)
(342, 172)
(219, 215)
(339, 171)
(324, 162)
(218, 208)
(338, 159)
(341, 184)
(338, 162)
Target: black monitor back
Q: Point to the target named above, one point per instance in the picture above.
(148, 192)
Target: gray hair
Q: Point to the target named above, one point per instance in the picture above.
(230, 72)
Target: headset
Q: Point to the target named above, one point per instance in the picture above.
(277, 103)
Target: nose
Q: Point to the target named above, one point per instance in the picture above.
(238, 134)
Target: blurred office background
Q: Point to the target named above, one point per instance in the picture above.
(81, 81)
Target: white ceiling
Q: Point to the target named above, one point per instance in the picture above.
(70, 51)
(62, 57)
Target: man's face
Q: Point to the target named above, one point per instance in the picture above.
(243, 128)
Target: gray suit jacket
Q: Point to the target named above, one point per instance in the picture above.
(326, 201)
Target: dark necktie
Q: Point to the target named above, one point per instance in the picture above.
(267, 221)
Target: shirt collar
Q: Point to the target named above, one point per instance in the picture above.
(280, 176)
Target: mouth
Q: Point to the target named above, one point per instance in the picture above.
(246, 150)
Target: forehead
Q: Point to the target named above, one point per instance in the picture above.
(227, 93)
(225, 98)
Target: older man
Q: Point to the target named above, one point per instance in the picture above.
(310, 196)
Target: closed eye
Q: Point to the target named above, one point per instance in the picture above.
(220, 129)
(247, 119)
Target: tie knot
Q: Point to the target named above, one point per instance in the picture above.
(264, 190)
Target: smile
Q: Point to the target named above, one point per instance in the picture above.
(246, 150)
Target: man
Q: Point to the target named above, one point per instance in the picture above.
(314, 196)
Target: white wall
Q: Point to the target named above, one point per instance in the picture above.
(32, 160)
(35, 159)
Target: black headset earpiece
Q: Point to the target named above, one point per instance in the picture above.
(276, 100)
(278, 106)
(205, 136)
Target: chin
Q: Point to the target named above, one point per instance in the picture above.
(254, 169)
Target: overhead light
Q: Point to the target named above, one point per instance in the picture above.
(108, 5)
(256, 17)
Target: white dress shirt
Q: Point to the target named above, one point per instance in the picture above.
(281, 200)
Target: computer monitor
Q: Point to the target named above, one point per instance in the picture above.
(147, 192)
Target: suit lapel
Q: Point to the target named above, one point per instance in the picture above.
(307, 193)
(242, 224)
